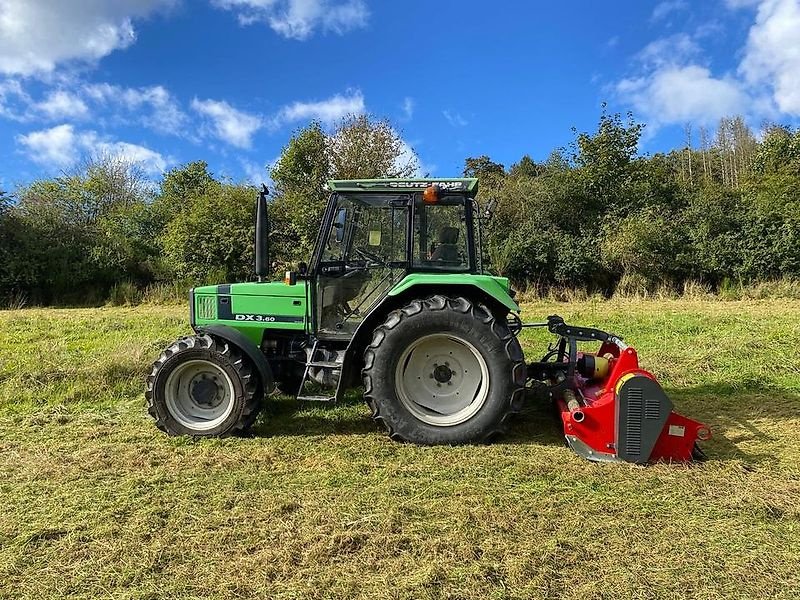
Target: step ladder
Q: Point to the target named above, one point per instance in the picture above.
(317, 364)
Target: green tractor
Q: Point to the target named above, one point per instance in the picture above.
(395, 298)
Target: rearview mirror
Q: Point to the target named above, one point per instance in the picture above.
(338, 223)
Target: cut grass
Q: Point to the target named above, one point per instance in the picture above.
(320, 504)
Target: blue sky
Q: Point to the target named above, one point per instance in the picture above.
(164, 82)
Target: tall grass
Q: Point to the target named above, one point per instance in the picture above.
(128, 294)
(631, 287)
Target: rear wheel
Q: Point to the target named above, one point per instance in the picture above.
(443, 371)
(201, 386)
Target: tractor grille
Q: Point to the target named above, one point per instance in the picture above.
(206, 308)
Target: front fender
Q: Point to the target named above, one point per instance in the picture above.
(252, 351)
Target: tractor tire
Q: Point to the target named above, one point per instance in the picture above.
(203, 387)
(444, 371)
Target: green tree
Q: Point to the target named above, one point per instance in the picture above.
(211, 239)
(365, 148)
(75, 242)
(359, 147)
(526, 167)
(645, 245)
(605, 161)
(300, 175)
(483, 167)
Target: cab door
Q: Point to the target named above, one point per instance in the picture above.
(364, 254)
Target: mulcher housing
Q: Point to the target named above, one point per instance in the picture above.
(396, 298)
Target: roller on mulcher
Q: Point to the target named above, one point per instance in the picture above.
(395, 298)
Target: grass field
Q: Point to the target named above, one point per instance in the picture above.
(320, 504)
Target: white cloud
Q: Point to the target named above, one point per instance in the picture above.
(675, 85)
(299, 19)
(667, 7)
(164, 114)
(455, 119)
(38, 35)
(673, 50)
(57, 147)
(11, 92)
(256, 174)
(408, 108)
(232, 126)
(675, 94)
(772, 53)
(326, 111)
(60, 105)
(62, 146)
(408, 157)
(153, 107)
(149, 160)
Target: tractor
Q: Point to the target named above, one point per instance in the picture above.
(396, 298)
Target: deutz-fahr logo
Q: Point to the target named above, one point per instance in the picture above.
(444, 185)
(259, 318)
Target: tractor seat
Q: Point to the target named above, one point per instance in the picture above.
(447, 250)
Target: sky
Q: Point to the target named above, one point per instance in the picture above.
(165, 82)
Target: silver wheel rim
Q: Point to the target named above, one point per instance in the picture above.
(199, 395)
(442, 379)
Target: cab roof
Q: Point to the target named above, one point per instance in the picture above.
(465, 184)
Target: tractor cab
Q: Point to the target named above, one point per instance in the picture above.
(375, 233)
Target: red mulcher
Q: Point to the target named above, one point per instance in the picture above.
(612, 409)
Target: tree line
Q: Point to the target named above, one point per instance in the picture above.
(595, 215)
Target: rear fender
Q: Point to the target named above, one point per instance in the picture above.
(250, 350)
(353, 361)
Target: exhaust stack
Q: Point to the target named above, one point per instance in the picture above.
(262, 234)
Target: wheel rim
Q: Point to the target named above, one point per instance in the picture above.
(199, 395)
(442, 379)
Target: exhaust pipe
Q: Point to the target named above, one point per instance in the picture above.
(262, 234)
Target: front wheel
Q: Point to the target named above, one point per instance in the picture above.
(200, 386)
(443, 371)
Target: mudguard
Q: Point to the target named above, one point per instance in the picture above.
(252, 351)
(421, 285)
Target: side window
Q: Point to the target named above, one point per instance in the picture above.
(440, 233)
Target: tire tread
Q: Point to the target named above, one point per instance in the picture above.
(461, 304)
(250, 381)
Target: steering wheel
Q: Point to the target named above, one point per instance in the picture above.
(368, 256)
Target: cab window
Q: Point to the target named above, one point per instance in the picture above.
(440, 234)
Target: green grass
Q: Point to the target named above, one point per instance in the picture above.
(320, 504)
